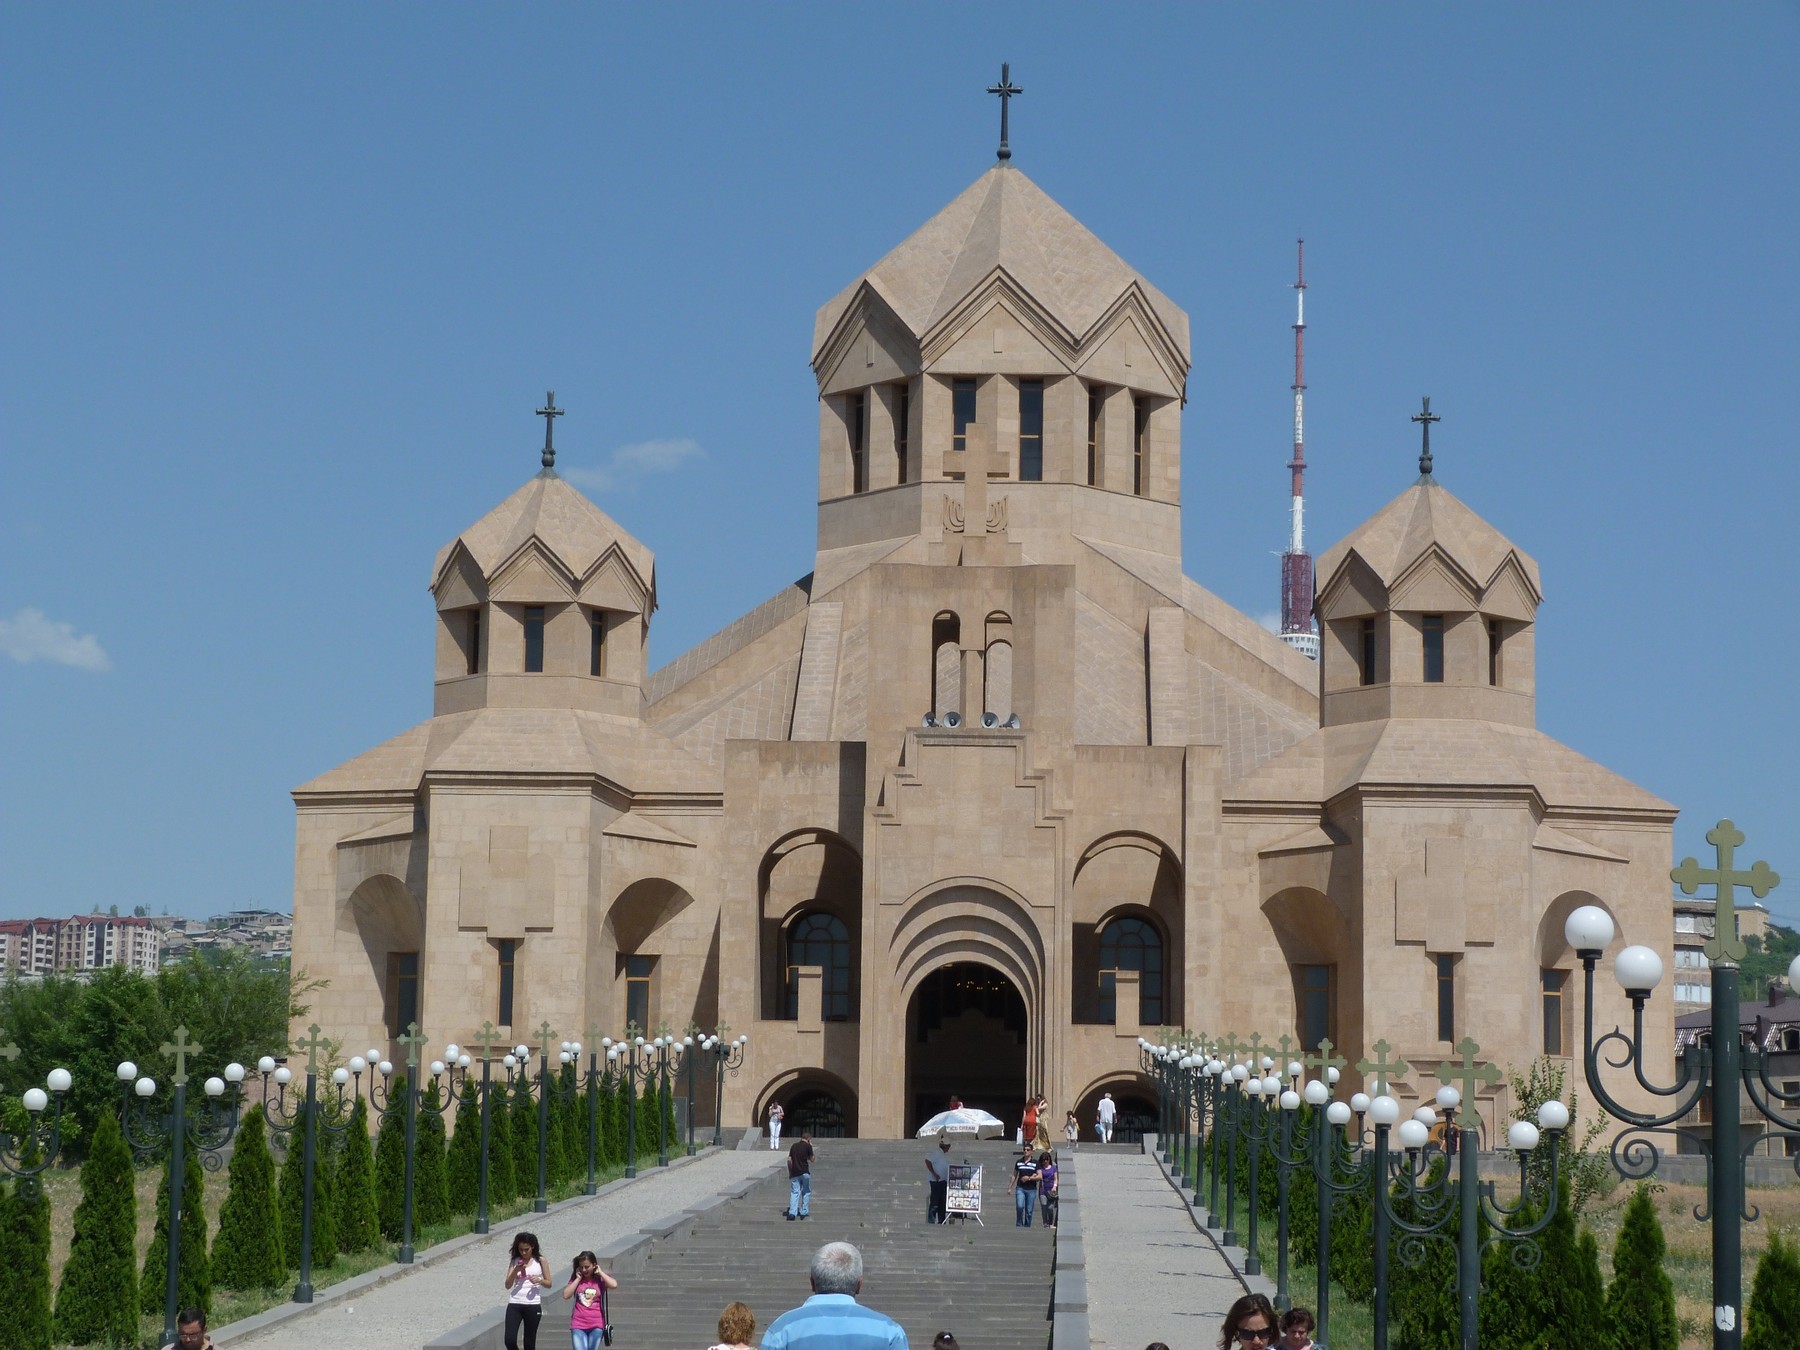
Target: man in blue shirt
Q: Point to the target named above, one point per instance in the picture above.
(832, 1319)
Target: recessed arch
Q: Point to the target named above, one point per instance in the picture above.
(1134, 1101)
(792, 1086)
(967, 1037)
(388, 922)
(806, 872)
(1126, 874)
(1324, 964)
(968, 917)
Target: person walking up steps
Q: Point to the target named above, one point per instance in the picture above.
(775, 1117)
(1104, 1115)
(587, 1286)
(832, 1319)
(527, 1276)
(800, 1159)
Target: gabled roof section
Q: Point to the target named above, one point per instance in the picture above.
(1003, 222)
(1423, 519)
(564, 524)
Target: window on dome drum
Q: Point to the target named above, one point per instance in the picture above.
(1556, 984)
(962, 413)
(902, 429)
(856, 419)
(1315, 1005)
(1432, 626)
(1093, 442)
(474, 643)
(403, 991)
(534, 639)
(820, 940)
(1031, 431)
(1131, 944)
(509, 952)
(1367, 658)
(1495, 632)
(638, 973)
(596, 642)
(1446, 998)
(1140, 445)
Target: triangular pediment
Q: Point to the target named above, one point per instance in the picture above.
(1434, 583)
(614, 584)
(1510, 593)
(1353, 591)
(870, 344)
(460, 584)
(1003, 334)
(532, 576)
(1128, 347)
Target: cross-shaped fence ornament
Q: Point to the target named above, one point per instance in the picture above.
(1230, 1048)
(180, 1048)
(1007, 90)
(1725, 944)
(1425, 417)
(312, 1044)
(722, 1033)
(1324, 1061)
(487, 1039)
(9, 1051)
(1381, 1066)
(1288, 1045)
(549, 412)
(1254, 1048)
(412, 1039)
(1470, 1076)
(545, 1035)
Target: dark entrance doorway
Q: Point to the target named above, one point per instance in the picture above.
(965, 1036)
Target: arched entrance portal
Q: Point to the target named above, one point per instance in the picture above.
(965, 1036)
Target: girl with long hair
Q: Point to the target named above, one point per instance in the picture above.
(1250, 1325)
(527, 1276)
(587, 1286)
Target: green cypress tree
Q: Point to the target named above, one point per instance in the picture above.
(1423, 1297)
(1640, 1303)
(97, 1299)
(324, 1235)
(289, 1189)
(25, 1259)
(522, 1120)
(430, 1184)
(1587, 1289)
(1514, 1307)
(463, 1163)
(293, 1167)
(358, 1219)
(390, 1164)
(606, 1125)
(195, 1277)
(247, 1253)
(503, 1181)
(1774, 1315)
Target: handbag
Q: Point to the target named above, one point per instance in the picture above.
(605, 1316)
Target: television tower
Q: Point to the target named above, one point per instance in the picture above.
(1297, 627)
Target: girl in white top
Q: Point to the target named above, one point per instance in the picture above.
(775, 1115)
(527, 1276)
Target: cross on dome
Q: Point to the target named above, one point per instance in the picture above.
(549, 412)
(1425, 417)
(1006, 89)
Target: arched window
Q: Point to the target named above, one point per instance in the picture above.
(1132, 944)
(946, 664)
(820, 940)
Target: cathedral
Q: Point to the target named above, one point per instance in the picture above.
(995, 789)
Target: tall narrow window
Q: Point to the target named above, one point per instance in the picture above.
(1093, 444)
(856, 417)
(820, 940)
(962, 413)
(1031, 431)
(1433, 634)
(403, 991)
(1315, 1005)
(534, 639)
(1446, 998)
(1140, 446)
(1367, 657)
(596, 642)
(1496, 630)
(509, 950)
(1555, 986)
(475, 641)
(637, 990)
(902, 429)
(1131, 944)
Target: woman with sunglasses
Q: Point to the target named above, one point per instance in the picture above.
(1251, 1322)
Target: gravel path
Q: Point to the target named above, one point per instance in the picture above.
(1151, 1275)
(413, 1309)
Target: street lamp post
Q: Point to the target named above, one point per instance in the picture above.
(209, 1132)
(540, 1203)
(1710, 1074)
(305, 1115)
(27, 1156)
(728, 1057)
(407, 1109)
(1384, 1111)
(1257, 1133)
(484, 1096)
(635, 1066)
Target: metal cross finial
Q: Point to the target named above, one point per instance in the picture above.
(1381, 1066)
(549, 412)
(1254, 1047)
(1471, 1076)
(181, 1047)
(1425, 417)
(488, 1039)
(1725, 944)
(9, 1051)
(1288, 1045)
(544, 1035)
(312, 1044)
(412, 1039)
(1324, 1061)
(1005, 89)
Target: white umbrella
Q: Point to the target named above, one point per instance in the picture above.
(963, 1120)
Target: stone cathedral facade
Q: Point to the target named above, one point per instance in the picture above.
(995, 788)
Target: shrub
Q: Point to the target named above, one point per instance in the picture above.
(247, 1253)
(503, 1180)
(195, 1276)
(25, 1258)
(1640, 1303)
(293, 1166)
(390, 1165)
(358, 1218)
(523, 1136)
(97, 1300)
(431, 1189)
(1774, 1315)
(463, 1164)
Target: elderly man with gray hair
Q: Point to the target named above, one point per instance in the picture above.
(832, 1319)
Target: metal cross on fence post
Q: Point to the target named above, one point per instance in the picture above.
(541, 1202)
(9, 1051)
(487, 1039)
(1468, 1076)
(1725, 944)
(1381, 1066)
(1472, 1076)
(179, 1049)
(1383, 1069)
(1324, 1156)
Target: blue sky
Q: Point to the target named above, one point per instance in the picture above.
(282, 286)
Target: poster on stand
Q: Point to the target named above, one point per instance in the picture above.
(965, 1191)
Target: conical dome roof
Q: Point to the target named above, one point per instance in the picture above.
(1424, 518)
(1004, 220)
(569, 527)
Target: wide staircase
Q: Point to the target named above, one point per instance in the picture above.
(989, 1285)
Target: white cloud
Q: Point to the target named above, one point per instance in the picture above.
(29, 636)
(630, 464)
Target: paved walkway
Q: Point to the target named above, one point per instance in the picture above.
(1151, 1275)
(435, 1298)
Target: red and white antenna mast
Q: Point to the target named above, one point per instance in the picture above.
(1297, 627)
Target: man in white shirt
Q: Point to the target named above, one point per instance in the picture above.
(937, 1169)
(1103, 1123)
